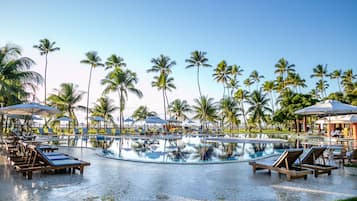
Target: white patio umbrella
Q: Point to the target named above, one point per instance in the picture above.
(328, 108)
(29, 109)
(155, 120)
(65, 119)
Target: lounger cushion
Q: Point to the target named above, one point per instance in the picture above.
(65, 162)
(58, 157)
(52, 153)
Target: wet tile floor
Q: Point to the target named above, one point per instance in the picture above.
(108, 179)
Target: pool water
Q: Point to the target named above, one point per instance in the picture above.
(188, 150)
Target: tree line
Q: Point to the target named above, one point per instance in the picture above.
(258, 103)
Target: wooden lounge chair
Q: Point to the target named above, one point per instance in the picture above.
(65, 162)
(284, 164)
(309, 160)
(43, 161)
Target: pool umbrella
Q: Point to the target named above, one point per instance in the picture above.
(15, 116)
(98, 119)
(128, 120)
(329, 108)
(29, 109)
(155, 120)
(64, 118)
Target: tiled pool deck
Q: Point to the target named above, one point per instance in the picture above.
(120, 180)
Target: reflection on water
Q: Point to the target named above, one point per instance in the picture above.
(187, 150)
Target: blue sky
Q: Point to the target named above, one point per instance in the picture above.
(252, 34)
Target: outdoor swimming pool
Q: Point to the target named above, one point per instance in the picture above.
(190, 149)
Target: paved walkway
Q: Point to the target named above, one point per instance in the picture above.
(108, 179)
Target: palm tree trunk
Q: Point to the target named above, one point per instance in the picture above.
(163, 97)
(121, 109)
(339, 85)
(45, 79)
(244, 117)
(198, 80)
(90, 77)
(272, 102)
(167, 101)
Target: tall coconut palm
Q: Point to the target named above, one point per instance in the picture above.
(93, 60)
(197, 59)
(258, 107)
(283, 68)
(348, 78)
(142, 112)
(161, 64)
(67, 99)
(269, 87)
(15, 77)
(121, 82)
(321, 86)
(296, 81)
(222, 74)
(337, 74)
(163, 82)
(104, 108)
(241, 97)
(229, 110)
(46, 47)
(205, 110)
(320, 71)
(248, 82)
(235, 71)
(114, 61)
(255, 77)
(179, 108)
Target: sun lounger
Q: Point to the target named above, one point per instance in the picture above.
(42, 161)
(68, 162)
(310, 161)
(284, 164)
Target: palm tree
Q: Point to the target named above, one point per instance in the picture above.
(321, 86)
(269, 87)
(197, 59)
(205, 110)
(234, 72)
(114, 61)
(348, 78)
(229, 110)
(162, 64)
(241, 96)
(15, 77)
(255, 77)
(248, 82)
(121, 82)
(296, 81)
(94, 61)
(179, 108)
(258, 107)
(142, 112)
(46, 47)
(320, 71)
(66, 99)
(104, 108)
(337, 74)
(283, 68)
(163, 82)
(222, 74)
